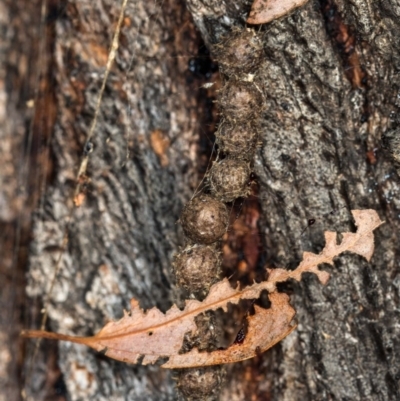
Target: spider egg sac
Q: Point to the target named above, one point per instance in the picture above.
(204, 219)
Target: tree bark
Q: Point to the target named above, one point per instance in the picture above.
(24, 136)
(142, 170)
(330, 80)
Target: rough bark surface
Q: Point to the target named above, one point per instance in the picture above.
(331, 85)
(24, 136)
(141, 172)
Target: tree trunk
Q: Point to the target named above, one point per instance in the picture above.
(330, 80)
(24, 136)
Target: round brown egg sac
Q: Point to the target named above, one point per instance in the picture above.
(197, 268)
(229, 179)
(240, 101)
(238, 140)
(199, 384)
(240, 53)
(204, 219)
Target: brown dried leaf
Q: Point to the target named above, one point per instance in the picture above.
(361, 242)
(153, 335)
(265, 329)
(263, 11)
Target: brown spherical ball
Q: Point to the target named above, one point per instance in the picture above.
(238, 140)
(241, 52)
(229, 179)
(199, 384)
(197, 268)
(204, 219)
(240, 100)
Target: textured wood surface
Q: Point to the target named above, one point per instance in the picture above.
(330, 81)
(142, 170)
(330, 84)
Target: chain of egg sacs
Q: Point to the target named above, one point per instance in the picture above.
(205, 218)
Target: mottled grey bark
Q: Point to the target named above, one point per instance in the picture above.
(331, 88)
(141, 171)
(330, 82)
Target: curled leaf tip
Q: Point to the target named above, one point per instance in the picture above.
(263, 11)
